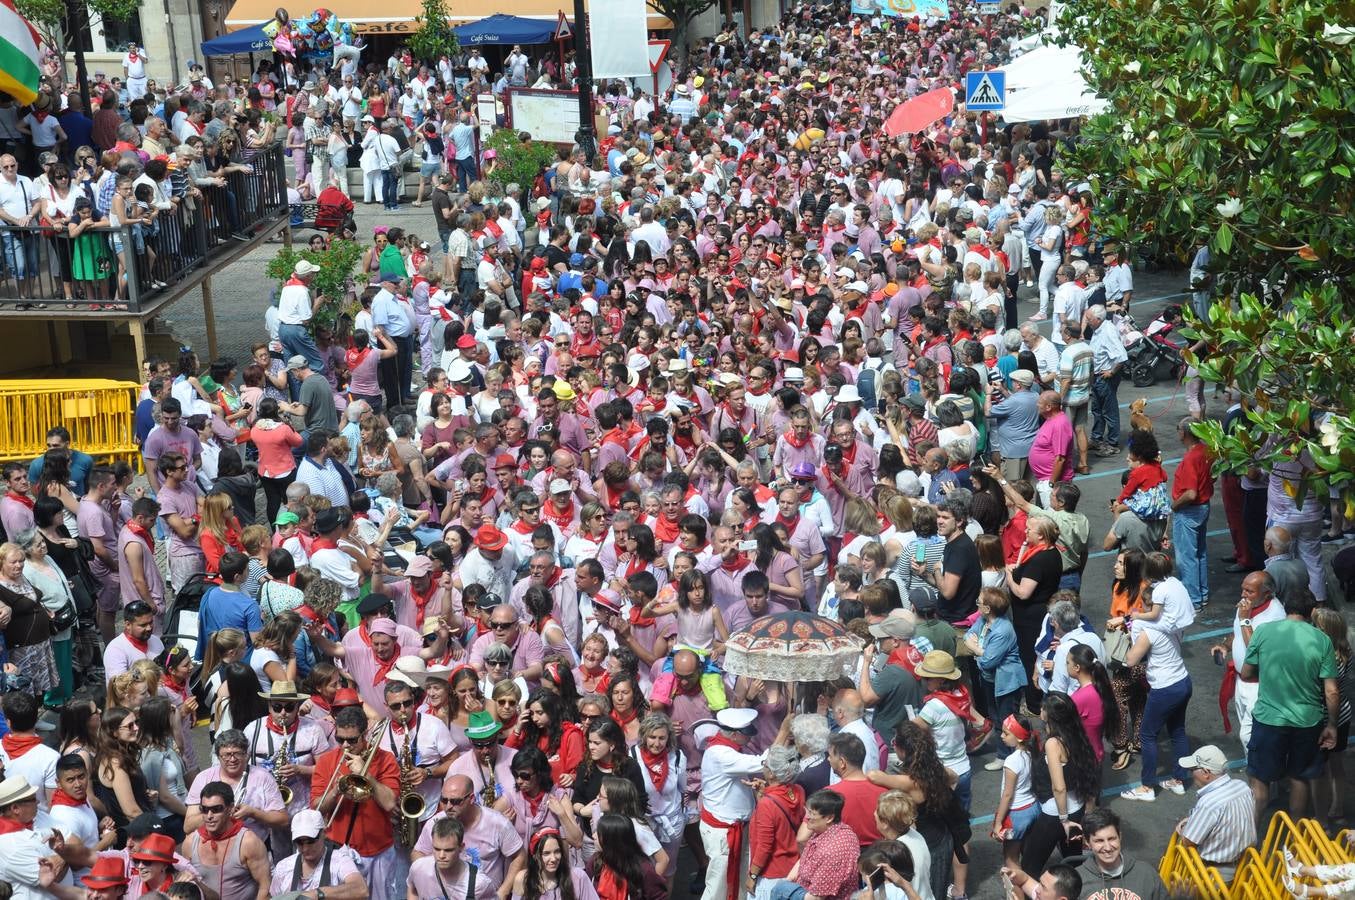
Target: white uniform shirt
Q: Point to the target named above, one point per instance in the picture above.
(723, 793)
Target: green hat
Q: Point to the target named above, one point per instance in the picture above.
(482, 726)
(286, 517)
(209, 384)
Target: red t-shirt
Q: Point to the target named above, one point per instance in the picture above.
(371, 834)
(858, 809)
(1193, 475)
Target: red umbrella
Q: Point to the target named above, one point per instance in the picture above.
(916, 114)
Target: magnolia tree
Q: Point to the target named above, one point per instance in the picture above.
(1229, 127)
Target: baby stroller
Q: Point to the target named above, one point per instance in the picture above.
(1155, 356)
(181, 618)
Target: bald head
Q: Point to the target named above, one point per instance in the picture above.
(848, 707)
(1050, 402)
(1277, 541)
(685, 663)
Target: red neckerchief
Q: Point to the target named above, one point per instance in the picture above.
(145, 536)
(294, 282)
(522, 527)
(665, 530)
(1257, 610)
(11, 826)
(421, 600)
(736, 420)
(354, 357)
(849, 456)
(178, 688)
(739, 562)
(789, 523)
(382, 667)
(271, 726)
(686, 441)
(561, 519)
(553, 579)
(23, 499)
(320, 702)
(721, 741)
(232, 829)
(321, 543)
(956, 700)
(796, 442)
(905, 655)
(623, 721)
(16, 745)
(635, 565)
(614, 436)
(639, 621)
(657, 766)
(61, 798)
(640, 447)
(1028, 551)
(147, 888)
(141, 646)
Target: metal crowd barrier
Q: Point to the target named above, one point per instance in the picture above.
(44, 268)
(99, 413)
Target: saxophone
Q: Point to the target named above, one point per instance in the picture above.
(411, 807)
(280, 759)
(489, 795)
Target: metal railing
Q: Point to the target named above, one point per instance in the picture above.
(122, 269)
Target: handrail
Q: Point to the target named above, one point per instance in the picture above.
(43, 268)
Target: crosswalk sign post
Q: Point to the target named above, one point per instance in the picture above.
(985, 91)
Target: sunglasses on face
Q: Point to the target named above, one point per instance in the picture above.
(212, 810)
(349, 740)
(283, 707)
(400, 704)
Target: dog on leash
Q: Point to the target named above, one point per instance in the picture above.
(1138, 419)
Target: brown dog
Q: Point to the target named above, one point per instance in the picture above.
(1138, 419)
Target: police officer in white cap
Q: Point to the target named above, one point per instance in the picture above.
(727, 801)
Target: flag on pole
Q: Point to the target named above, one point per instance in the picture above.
(19, 56)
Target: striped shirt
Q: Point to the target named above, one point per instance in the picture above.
(1223, 823)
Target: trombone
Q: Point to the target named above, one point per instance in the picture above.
(352, 786)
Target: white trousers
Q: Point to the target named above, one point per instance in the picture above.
(380, 873)
(1244, 701)
(716, 842)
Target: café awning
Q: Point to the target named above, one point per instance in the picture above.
(398, 16)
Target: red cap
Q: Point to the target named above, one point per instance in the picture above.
(465, 342)
(538, 264)
(588, 350)
(108, 872)
(505, 461)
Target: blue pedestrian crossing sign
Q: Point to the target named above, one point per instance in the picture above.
(985, 91)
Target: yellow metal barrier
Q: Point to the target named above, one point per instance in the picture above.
(99, 413)
(1185, 873)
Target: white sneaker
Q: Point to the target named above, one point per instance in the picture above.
(1142, 792)
(993, 765)
(1171, 784)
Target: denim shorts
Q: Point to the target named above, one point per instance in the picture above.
(428, 170)
(1022, 819)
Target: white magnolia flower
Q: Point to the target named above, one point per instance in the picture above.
(1133, 67)
(1331, 432)
(1152, 136)
(1338, 34)
(1128, 132)
(1229, 208)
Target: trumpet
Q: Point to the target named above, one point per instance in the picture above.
(280, 759)
(412, 805)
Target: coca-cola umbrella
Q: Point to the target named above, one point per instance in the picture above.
(792, 646)
(921, 111)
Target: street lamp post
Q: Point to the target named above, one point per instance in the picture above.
(583, 62)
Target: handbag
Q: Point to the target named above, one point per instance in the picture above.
(1117, 645)
(66, 618)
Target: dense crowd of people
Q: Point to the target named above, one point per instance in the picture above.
(447, 581)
